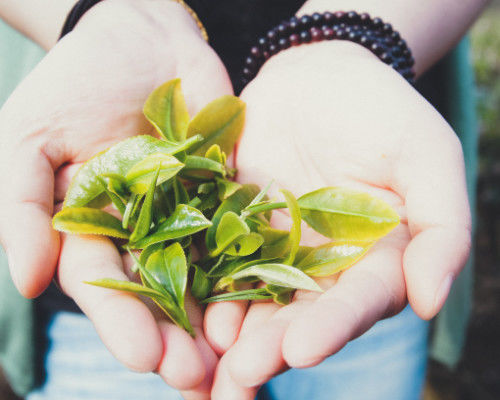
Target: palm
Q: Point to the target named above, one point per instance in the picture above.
(361, 127)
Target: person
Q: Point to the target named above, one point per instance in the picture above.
(322, 114)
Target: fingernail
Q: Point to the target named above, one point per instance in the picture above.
(442, 292)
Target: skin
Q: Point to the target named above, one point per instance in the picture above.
(361, 126)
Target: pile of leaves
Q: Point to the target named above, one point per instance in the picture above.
(175, 192)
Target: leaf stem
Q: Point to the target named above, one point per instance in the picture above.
(257, 209)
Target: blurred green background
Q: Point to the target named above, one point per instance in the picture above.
(478, 375)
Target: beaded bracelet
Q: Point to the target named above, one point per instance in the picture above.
(372, 33)
(82, 6)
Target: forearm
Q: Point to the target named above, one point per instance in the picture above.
(39, 20)
(430, 27)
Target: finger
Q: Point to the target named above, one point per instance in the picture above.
(222, 324)
(63, 180)
(256, 357)
(225, 388)
(122, 320)
(26, 206)
(431, 178)
(373, 289)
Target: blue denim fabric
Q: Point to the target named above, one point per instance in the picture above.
(388, 362)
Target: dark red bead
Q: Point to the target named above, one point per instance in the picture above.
(266, 54)
(294, 39)
(316, 34)
(305, 37)
(283, 43)
(328, 17)
(328, 34)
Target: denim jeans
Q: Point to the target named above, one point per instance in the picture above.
(387, 362)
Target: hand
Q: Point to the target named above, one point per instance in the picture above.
(84, 96)
(331, 114)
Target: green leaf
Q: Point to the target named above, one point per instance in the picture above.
(276, 242)
(202, 284)
(205, 164)
(230, 228)
(251, 294)
(345, 214)
(220, 122)
(83, 220)
(115, 199)
(280, 275)
(226, 188)
(118, 159)
(127, 214)
(177, 270)
(245, 245)
(184, 221)
(144, 256)
(140, 175)
(166, 109)
(180, 192)
(126, 286)
(117, 185)
(155, 273)
(295, 231)
(215, 153)
(235, 203)
(281, 295)
(333, 257)
(143, 224)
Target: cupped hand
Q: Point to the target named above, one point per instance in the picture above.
(85, 95)
(331, 114)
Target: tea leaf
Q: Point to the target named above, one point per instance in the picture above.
(333, 257)
(280, 275)
(214, 153)
(144, 256)
(251, 294)
(180, 193)
(143, 224)
(184, 221)
(83, 220)
(345, 214)
(276, 242)
(245, 245)
(226, 188)
(202, 163)
(281, 295)
(131, 204)
(115, 199)
(126, 286)
(117, 184)
(118, 159)
(230, 228)
(177, 270)
(295, 231)
(202, 284)
(166, 109)
(235, 203)
(139, 176)
(220, 122)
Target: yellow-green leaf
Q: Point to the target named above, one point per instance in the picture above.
(126, 286)
(245, 245)
(295, 231)
(166, 109)
(334, 257)
(140, 175)
(276, 242)
(220, 122)
(84, 220)
(281, 295)
(177, 270)
(346, 214)
(215, 153)
(229, 229)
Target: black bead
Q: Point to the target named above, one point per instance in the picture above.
(411, 62)
(352, 17)
(395, 36)
(339, 16)
(294, 39)
(386, 28)
(406, 52)
(247, 72)
(385, 57)
(364, 18)
(305, 21)
(273, 48)
(377, 48)
(401, 43)
(354, 36)
(266, 54)
(365, 40)
(317, 18)
(272, 35)
(395, 65)
(305, 37)
(316, 34)
(250, 62)
(262, 42)
(377, 23)
(341, 33)
(283, 43)
(282, 29)
(397, 51)
(255, 52)
(293, 24)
